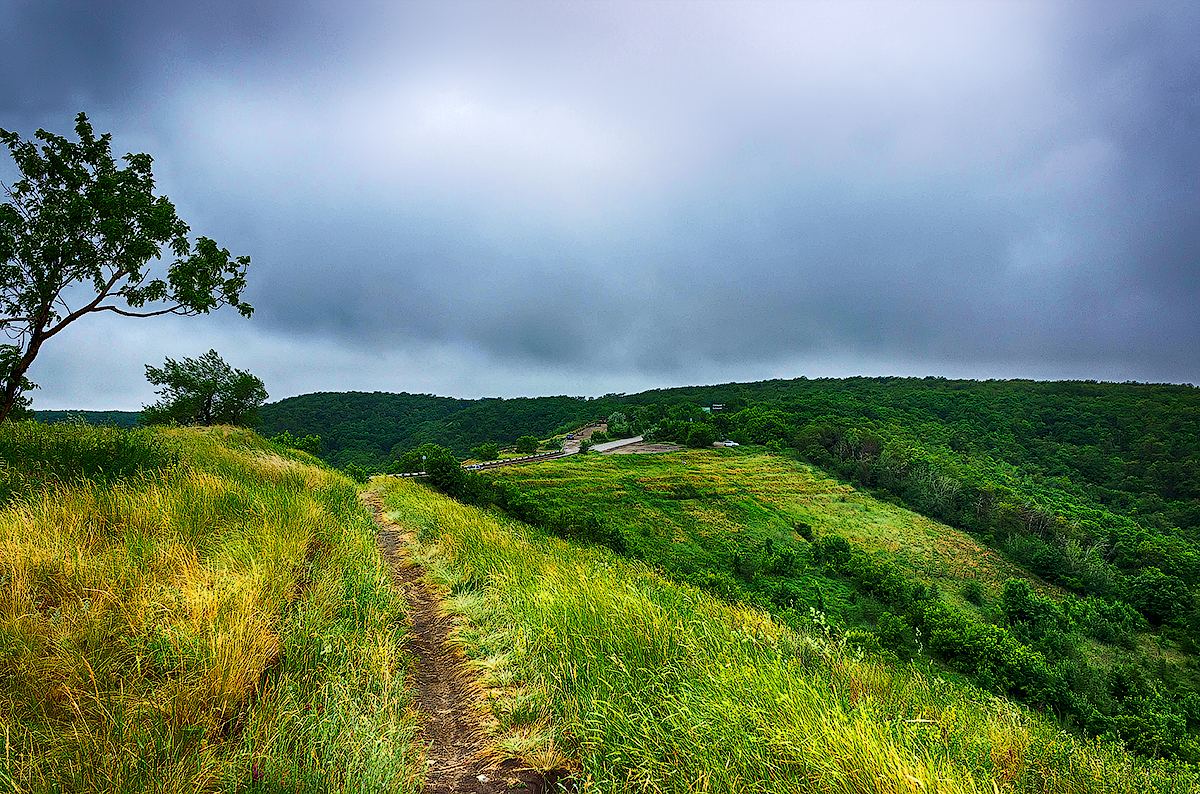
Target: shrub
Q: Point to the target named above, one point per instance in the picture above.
(701, 435)
(488, 451)
(896, 635)
(833, 550)
(310, 444)
(360, 474)
(1160, 597)
(444, 470)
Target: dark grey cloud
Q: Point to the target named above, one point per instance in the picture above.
(606, 195)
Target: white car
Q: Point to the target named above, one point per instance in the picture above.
(732, 444)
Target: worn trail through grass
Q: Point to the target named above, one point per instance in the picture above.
(445, 689)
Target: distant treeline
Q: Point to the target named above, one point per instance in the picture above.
(373, 430)
(96, 418)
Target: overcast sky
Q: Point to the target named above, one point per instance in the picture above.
(524, 198)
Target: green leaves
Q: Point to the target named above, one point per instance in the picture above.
(204, 391)
(76, 216)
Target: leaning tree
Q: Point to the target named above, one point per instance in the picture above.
(81, 234)
(204, 391)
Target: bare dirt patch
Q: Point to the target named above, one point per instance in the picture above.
(643, 448)
(582, 434)
(445, 690)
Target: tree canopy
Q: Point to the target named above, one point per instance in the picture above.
(78, 235)
(204, 391)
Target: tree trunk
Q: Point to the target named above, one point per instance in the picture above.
(12, 386)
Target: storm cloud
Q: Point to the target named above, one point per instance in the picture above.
(502, 198)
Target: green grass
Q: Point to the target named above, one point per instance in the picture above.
(716, 503)
(654, 686)
(181, 608)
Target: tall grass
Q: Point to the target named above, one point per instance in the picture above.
(657, 687)
(201, 613)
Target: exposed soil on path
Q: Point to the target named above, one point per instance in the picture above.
(643, 448)
(445, 690)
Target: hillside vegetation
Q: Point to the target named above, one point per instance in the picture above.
(725, 517)
(1092, 487)
(192, 610)
(758, 529)
(374, 429)
(655, 686)
(1097, 472)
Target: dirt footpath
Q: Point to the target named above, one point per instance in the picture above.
(445, 690)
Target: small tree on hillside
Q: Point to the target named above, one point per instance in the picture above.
(444, 470)
(527, 445)
(78, 235)
(204, 391)
(488, 451)
(701, 435)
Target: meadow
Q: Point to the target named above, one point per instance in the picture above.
(724, 502)
(193, 610)
(655, 686)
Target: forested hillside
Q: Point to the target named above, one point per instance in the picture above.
(374, 429)
(755, 527)
(1074, 479)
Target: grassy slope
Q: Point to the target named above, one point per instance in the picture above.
(706, 517)
(213, 612)
(655, 686)
(748, 493)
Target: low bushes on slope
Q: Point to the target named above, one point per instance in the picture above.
(208, 615)
(655, 686)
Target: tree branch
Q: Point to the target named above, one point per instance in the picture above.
(90, 307)
(173, 310)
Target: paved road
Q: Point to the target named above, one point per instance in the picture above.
(622, 442)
